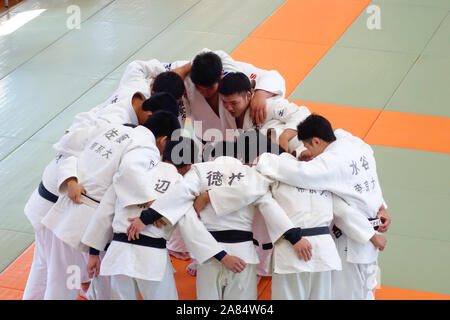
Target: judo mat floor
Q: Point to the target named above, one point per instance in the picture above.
(387, 86)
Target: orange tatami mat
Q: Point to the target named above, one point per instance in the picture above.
(318, 22)
(297, 36)
(356, 120)
(14, 278)
(388, 128)
(413, 131)
(293, 40)
(389, 293)
(292, 60)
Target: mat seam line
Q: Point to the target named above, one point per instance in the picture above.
(53, 42)
(96, 83)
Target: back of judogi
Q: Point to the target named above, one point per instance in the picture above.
(136, 261)
(306, 208)
(107, 157)
(213, 175)
(347, 168)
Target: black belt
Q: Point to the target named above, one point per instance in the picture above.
(233, 236)
(337, 232)
(47, 195)
(143, 240)
(305, 232)
(309, 232)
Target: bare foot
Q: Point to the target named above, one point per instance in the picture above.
(180, 255)
(192, 268)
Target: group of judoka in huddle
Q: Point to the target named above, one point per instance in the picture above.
(263, 187)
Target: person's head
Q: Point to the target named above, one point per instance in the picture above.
(160, 101)
(182, 152)
(316, 134)
(170, 82)
(137, 101)
(247, 147)
(235, 92)
(162, 124)
(206, 72)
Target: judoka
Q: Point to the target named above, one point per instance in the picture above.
(143, 264)
(313, 212)
(233, 230)
(202, 82)
(115, 152)
(282, 118)
(344, 165)
(133, 109)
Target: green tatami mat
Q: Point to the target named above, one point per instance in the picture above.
(355, 77)
(54, 129)
(415, 263)
(416, 187)
(404, 27)
(12, 244)
(425, 89)
(48, 23)
(29, 99)
(20, 174)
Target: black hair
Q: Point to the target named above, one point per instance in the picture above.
(234, 82)
(170, 82)
(162, 123)
(181, 152)
(161, 101)
(248, 146)
(206, 69)
(315, 126)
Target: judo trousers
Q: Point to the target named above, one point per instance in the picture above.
(128, 288)
(302, 286)
(215, 282)
(356, 281)
(67, 269)
(37, 279)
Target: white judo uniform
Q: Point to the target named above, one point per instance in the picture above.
(209, 126)
(97, 156)
(137, 77)
(294, 278)
(41, 201)
(281, 115)
(347, 168)
(232, 230)
(143, 267)
(297, 279)
(116, 109)
(35, 209)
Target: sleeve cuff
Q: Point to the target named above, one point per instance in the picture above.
(293, 235)
(149, 216)
(220, 255)
(93, 252)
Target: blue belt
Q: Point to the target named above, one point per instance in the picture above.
(47, 195)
